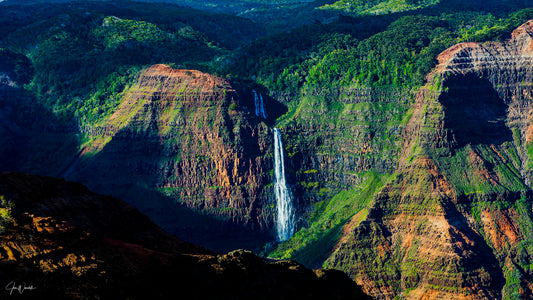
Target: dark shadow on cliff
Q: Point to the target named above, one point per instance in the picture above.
(124, 169)
(474, 111)
(107, 173)
(109, 250)
(479, 255)
(192, 226)
(32, 138)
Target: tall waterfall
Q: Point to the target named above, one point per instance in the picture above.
(285, 217)
(259, 105)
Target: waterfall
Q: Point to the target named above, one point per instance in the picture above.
(285, 217)
(262, 106)
(256, 103)
(259, 105)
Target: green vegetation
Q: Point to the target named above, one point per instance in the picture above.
(400, 56)
(347, 88)
(479, 170)
(383, 7)
(84, 56)
(107, 56)
(378, 7)
(312, 245)
(388, 52)
(6, 208)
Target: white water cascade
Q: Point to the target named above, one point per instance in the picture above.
(285, 217)
(259, 106)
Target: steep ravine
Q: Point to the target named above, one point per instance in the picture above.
(456, 221)
(343, 146)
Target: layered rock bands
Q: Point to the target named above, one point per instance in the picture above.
(456, 221)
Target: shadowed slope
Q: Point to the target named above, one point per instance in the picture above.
(70, 243)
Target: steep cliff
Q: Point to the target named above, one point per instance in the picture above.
(456, 220)
(188, 137)
(62, 241)
(343, 145)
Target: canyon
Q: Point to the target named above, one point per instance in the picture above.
(455, 222)
(447, 215)
(415, 190)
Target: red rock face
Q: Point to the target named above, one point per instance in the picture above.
(467, 57)
(452, 224)
(69, 243)
(186, 137)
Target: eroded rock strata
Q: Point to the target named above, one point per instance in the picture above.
(453, 222)
(456, 221)
(185, 137)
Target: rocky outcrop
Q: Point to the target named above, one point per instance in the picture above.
(188, 137)
(61, 241)
(455, 223)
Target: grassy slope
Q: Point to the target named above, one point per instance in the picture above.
(312, 245)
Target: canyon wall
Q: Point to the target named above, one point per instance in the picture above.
(456, 220)
(183, 139)
(415, 196)
(337, 136)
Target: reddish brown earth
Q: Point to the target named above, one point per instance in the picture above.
(69, 243)
(455, 222)
(188, 139)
